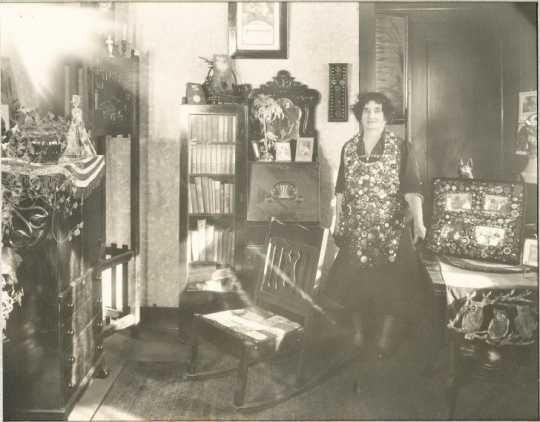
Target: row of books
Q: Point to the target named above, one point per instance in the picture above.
(209, 243)
(213, 128)
(212, 158)
(210, 196)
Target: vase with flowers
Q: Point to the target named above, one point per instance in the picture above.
(39, 200)
(267, 110)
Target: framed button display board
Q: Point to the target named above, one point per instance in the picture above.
(338, 101)
(477, 219)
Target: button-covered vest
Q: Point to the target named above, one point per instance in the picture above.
(372, 208)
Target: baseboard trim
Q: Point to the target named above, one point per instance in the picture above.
(165, 318)
(157, 311)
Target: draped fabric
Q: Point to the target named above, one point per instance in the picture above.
(498, 308)
(84, 174)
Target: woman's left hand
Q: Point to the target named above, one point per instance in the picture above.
(419, 231)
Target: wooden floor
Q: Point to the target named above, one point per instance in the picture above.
(164, 344)
(151, 345)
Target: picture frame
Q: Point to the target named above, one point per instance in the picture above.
(283, 151)
(530, 253)
(304, 149)
(527, 105)
(257, 30)
(477, 219)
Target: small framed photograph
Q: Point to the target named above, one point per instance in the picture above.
(283, 151)
(255, 150)
(527, 105)
(489, 236)
(304, 149)
(258, 30)
(458, 202)
(496, 204)
(530, 252)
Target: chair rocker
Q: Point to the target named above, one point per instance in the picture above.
(283, 319)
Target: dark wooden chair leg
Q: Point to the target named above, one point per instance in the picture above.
(194, 353)
(240, 393)
(101, 371)
(454, 378)
(301, 367)
(307, 344)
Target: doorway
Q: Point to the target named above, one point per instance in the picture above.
(455, 95)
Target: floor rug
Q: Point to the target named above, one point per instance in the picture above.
(393, 390)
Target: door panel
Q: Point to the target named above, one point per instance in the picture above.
(455, 97)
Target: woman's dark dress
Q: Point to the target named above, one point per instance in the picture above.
(390, 288)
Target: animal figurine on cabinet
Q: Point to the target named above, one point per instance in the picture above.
(465, 169)
(221, 79)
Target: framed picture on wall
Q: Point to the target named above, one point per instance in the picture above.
(258, 30)
(530, 252)
(527, 105)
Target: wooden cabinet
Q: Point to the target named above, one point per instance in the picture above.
(54, 339)
(290, 190)
(213, 186)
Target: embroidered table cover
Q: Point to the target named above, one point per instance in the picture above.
(38, 196)
(498, 308)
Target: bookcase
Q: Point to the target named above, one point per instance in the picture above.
(213, 141)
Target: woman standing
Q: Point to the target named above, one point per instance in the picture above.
(377, 187)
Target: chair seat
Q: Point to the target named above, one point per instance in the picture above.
(257, 327)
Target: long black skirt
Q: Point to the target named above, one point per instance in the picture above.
(397, 289)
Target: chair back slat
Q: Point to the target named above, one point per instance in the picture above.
(291, 269)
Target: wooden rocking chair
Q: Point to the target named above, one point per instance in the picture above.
(282, 320)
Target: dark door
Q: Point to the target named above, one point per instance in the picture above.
(455, 109)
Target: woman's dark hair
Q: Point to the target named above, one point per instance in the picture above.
(377, 97)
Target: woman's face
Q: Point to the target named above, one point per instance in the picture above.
(373, 116)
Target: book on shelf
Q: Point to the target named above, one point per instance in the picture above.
(230, 247)
(201, 230)
(233, 130)
(190, 203)
(209, 243)
(212, 158)
(217, 199)
(198, 194)
(192, 199)
(193, 239)
(221, 128)
(208, 195)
